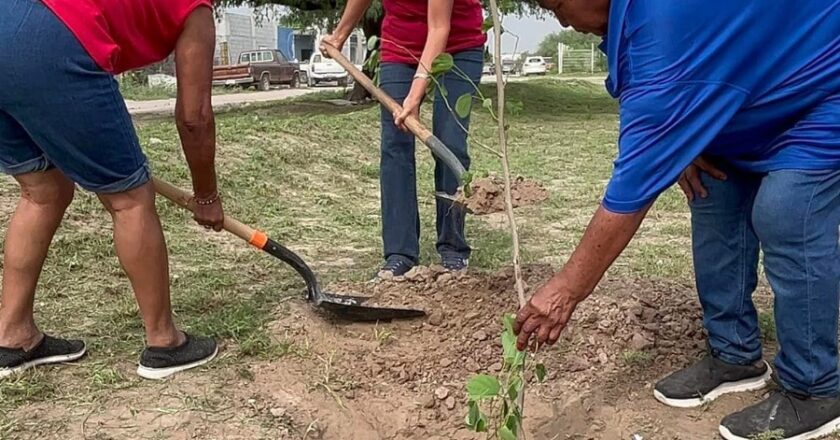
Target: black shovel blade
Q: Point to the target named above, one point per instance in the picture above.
(360, 313)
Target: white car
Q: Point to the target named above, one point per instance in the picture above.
(322, 69)
(534, 66)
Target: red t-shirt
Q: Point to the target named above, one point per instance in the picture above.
(405, 28)
(121, 35)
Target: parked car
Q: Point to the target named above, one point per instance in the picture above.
(534, 66)
(259, 68)
(487, 69)
(509, 67)
(322, 69)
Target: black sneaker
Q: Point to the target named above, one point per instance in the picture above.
(49, 351)
(709, 379)
(785, 416)
(454, 263)
(160, 363)
(395, 266)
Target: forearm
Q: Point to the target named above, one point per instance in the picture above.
(607, 235)
(435, 45)
(353, 12)
(198, 140)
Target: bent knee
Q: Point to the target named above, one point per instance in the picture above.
(49, 189)
(142, 197)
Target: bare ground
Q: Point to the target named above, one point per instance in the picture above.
(404, 380)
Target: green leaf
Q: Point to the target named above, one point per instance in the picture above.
(506, 434)
(443, 92)
(487, 25)
(473, 415)
(488, 104)
(514, 387)
(539, 370)
(512, 422)
(476, 420)
(508, 319)
(482, 387)
(513, 357)
(442, 64)
(463, 105)
(372, 42)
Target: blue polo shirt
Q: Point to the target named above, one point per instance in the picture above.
(755, 83)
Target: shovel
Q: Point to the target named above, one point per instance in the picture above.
(439, 149)
(351, 308)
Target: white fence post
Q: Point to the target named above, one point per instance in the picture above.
(592, 59)
(560, 50)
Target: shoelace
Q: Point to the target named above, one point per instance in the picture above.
(393, 265)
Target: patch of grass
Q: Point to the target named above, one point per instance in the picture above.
(777, 434)
(383, 336)
(767, 324)
(636, 358)
(32, 386)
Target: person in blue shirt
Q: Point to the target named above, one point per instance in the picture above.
(738, 102)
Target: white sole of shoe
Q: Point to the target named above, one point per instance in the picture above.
(58, 359)
(163, 373)
(827, 429)
(752, 384)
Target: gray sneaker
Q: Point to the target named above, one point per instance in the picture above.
(787, 415)
(159, 363)
(49, 351)
(709, 379)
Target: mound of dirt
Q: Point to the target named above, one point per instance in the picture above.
(488, 194)
(407, 378)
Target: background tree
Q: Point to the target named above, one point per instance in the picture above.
(572, 39)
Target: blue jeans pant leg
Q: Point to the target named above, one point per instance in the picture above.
(398, 174)
(797, 216)
(451, 130)
(725, 250)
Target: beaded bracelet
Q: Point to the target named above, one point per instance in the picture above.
(208, 201)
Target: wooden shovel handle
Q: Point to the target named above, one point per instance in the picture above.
(184, 199)
(414, 125)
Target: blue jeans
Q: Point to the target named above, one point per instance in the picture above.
(398, 175)
(58, 108)
(793, 216)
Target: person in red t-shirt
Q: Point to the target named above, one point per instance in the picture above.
(63, 122)
(414, 33)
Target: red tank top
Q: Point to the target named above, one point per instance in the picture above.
(405, 28)
(121, 35)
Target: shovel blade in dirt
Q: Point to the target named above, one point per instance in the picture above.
(351, 308)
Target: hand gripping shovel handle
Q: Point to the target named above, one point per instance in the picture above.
(255, 238)
(414, 125)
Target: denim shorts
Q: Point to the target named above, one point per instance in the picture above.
(59, 109)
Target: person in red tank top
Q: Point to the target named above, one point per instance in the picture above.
(414, 33)
(63, 122)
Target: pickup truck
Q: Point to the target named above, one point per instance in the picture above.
(322, 69)
(259, 68)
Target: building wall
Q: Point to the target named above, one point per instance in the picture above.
(238, 32)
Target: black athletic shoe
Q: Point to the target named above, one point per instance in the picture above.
(49, 351)
(709, 379)
(160, 363)
(454, 263)
(395, 266)
(787, 415)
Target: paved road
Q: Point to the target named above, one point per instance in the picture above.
(167, 106)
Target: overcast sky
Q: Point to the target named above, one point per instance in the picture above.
(531, 31)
